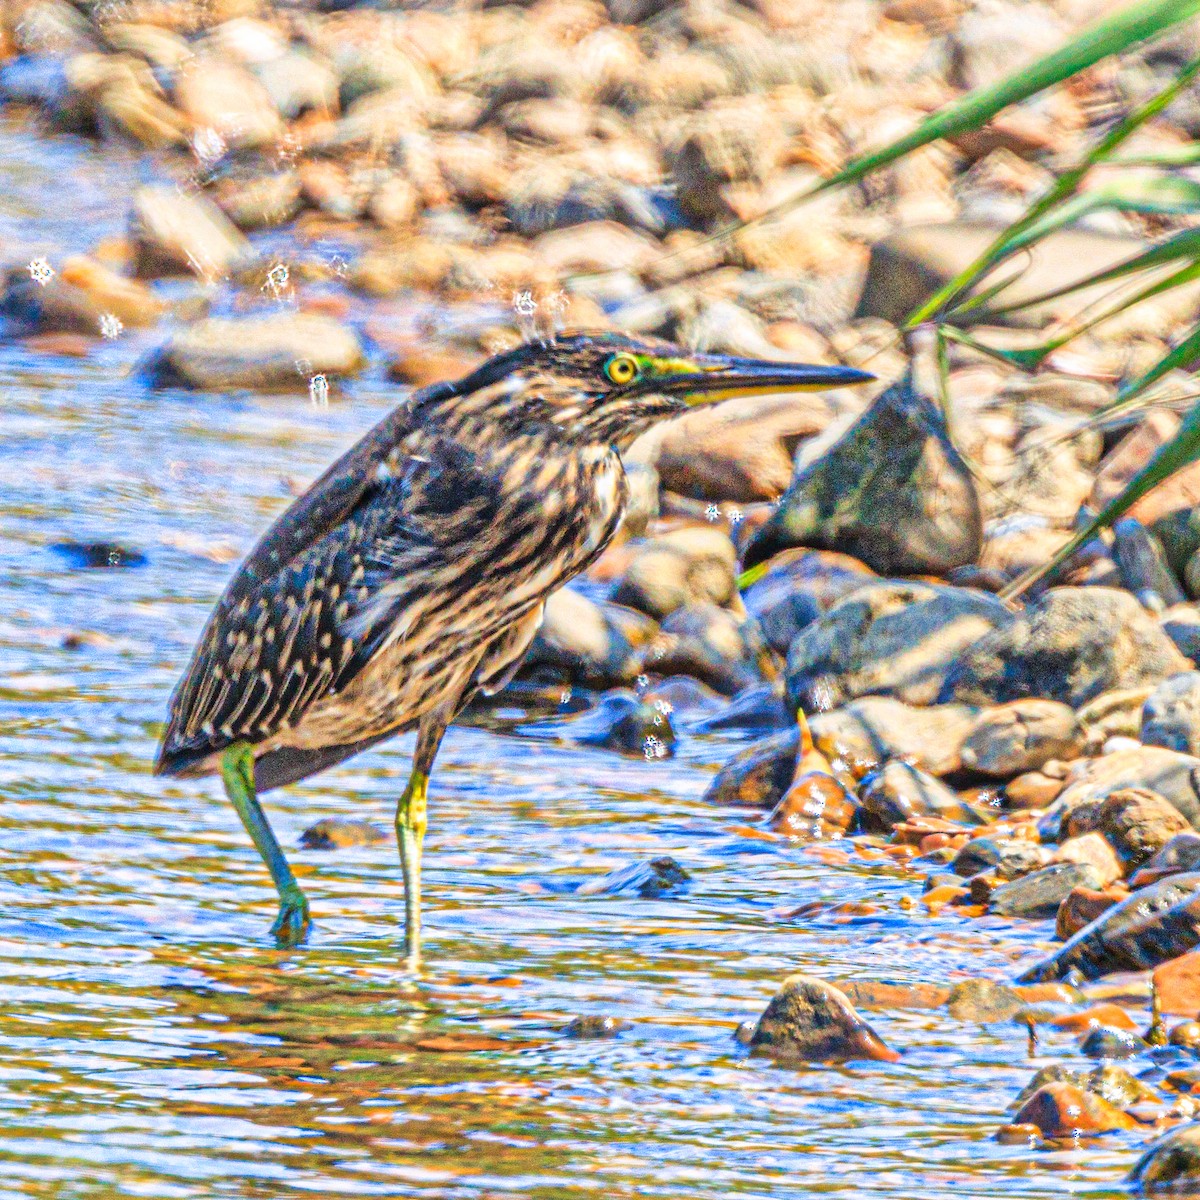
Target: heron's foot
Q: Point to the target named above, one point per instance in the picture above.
(292, 925)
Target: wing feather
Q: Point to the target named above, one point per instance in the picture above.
(328, 585)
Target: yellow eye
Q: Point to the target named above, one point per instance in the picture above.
(622, 369)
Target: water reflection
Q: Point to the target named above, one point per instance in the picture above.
(155, 1045)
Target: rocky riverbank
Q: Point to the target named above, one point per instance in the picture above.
(324, 191)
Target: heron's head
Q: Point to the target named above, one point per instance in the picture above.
(609, 387)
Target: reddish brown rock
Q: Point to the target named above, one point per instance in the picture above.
(1083, 905)
(816, 806)
(878, 993)
(1177, 985)
(1062, 1110)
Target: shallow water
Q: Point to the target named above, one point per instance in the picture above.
(154, 1044)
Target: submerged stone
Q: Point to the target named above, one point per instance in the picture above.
(340, 833)
(1039, 893)
(658, 878)
(1171, 1166)
(1063, 1110)
(810, 1020)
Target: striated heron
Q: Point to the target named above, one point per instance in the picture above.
(413, 573)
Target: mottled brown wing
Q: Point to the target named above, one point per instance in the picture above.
(281, 638)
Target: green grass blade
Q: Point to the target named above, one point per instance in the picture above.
(1182, 245)
(1125, 28)
(1014, 237)
(1173, 456)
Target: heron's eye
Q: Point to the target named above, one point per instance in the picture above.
(622, 369)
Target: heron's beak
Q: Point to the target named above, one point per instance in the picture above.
(707, 378)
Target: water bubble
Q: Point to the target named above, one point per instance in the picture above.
(653, 748)
(208, 146)
(277, 280)
(736, 515)
(40, 271)
(712, 512)
(110, 325)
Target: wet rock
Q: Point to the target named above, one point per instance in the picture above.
(261, 202)
(1153, 925)
(542, 201)
(1113, 714)
(394, 203)
(1071, 645)
(83, 297)
(759, 775)
(1052, 1073)
(380, 66)
(1106, 1042)
(623, 721)
(654, 880)
(1169, 774)
(739, 451)
(1138, 823)
(797, 587)
(1062, 1110)
(1177, 985)
(727, 143)
(899, 792)
(1171, 1166)
(1143, 565)
(586, 642)
(1094, 850)
(98, 555)
(1181, 853)
(758, 708)
(175, 234)
(810, 1020)
(908, 266)
(297, 83)
(885, 994)
(693, 565)
(1182, 625)
(280, 351)
(713, 645)
(817, 806)
(1171, 716)
(1116, 1085)
(983, 1001)
(866, 733)
(1034, 789)
(1040, 893)
(340, 833)
(226, 98)
(1186, 1034)
(1022, 736)
(893, 492)
(593, 1027)
(895, 639)
(1006, 858)
(119, 94)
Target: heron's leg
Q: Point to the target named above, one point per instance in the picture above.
(237, 771)
(410, 832)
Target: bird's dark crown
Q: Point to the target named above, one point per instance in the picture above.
(609, 387)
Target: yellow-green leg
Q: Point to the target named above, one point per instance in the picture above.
(410, 834)
(410, 831)
(237, 771)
